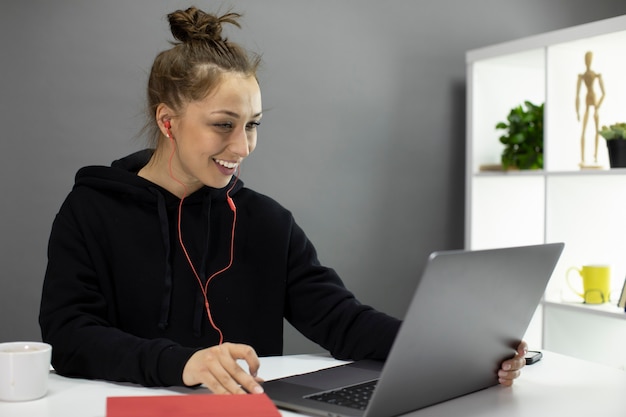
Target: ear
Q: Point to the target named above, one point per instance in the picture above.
(164, 116)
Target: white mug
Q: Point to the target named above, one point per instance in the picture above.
(24, 370)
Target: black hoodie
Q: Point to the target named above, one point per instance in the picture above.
(120, 301)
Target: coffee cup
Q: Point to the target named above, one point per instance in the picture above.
(24, 370)
(596, 283)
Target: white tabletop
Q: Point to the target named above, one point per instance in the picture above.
(557, 385)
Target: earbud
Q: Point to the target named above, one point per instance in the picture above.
(168, 125)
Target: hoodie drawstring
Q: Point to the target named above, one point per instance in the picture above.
(199, 307)
(165, 234)
(167, 285)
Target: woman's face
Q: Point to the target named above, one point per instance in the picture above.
(214, 135)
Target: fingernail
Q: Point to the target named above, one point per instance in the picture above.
(258, 390)
(506, 366)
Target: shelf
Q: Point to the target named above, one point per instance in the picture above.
(584, 208)
(571, 35)
(588, 172)
(539, 173)
(603, 310)
(510, 173)
(594, 333)
(546, 69)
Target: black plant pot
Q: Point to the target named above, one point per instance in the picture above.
(617, 153)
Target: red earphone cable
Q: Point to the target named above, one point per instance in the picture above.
(203, 287)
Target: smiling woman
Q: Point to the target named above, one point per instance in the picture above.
(205, 141)
(205, 88)
(163, 269)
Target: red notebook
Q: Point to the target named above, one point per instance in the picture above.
(194, 405)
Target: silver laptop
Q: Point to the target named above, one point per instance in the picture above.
(469, 311)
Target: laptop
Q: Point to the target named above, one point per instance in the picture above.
(469, 312)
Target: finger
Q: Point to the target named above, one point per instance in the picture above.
(507, 377)
(246, 353)
(222, 374)
(515, 364)
(214, 376)
(228, 376)
(218, 370)
(225, 383)
(248, 381)
(220, 386)
(519, 360)
(522, 349)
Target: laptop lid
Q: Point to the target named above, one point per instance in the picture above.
(468, 313)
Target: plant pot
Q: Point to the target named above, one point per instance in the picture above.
(617, 152)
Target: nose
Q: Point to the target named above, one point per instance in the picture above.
(241, 142)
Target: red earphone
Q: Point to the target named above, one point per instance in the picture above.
(168, 126)
(204, 287)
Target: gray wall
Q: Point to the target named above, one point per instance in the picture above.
(363, 134)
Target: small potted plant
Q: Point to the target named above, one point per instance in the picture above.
(523, 140)
(615, 136)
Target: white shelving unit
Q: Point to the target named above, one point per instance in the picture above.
(584, 208)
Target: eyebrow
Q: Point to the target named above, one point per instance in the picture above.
(233, 114)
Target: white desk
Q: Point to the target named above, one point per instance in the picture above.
(557, 385)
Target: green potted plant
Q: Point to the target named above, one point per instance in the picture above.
(615, 136)
(523, 138)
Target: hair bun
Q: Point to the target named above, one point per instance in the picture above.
(195, 25)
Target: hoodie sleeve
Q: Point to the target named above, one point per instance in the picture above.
(321, 308)
(77, 321)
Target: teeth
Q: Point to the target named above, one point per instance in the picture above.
(226, 164)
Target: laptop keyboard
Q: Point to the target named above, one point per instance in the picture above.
(354, 396)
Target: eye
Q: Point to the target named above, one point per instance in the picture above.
(225, 126)
(253, 125)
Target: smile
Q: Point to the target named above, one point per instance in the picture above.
(226, 164)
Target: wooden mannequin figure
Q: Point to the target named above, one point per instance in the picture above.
(589, 77)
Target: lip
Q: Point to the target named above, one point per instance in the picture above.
(225, 170)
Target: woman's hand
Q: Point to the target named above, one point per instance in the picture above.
(511, 368)
(217, 368)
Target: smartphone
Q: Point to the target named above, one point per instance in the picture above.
(533, 356)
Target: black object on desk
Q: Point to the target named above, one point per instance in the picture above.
(622, 298)
(533, 356)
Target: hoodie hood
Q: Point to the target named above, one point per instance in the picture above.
(121, 178)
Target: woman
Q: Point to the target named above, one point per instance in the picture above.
(165, 270)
